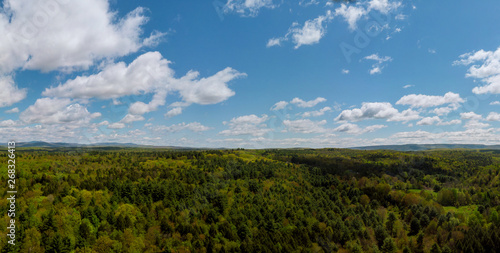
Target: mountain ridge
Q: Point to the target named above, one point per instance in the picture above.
(402, 147)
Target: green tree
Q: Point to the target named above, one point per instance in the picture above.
(389, 246)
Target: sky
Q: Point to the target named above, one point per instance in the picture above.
(250, 73)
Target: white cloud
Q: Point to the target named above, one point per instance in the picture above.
(428, 121)
(408, 86)
(495, 103)
(444, 110)
(57, 111)
(405, 116)
(345, 71)
(485, 65)
(310, 33)
(375, 70)
(377, 110)
(305, 126)
(194, 126)
(318, 113)
(8, 123)
(155, 39)
(384, 6)
(470, 115)
(13, 110)
(247, 125)
(379, 65)
(274, 42)
(400, 17)
(475, 124)
(209, 90)
(247, 7)
(139, 108)
(9, 92)
(430, 101)
(493, 116)
(308, 2)
(352, 14)
(471, 135)
(129, 118)
(451, 122)
(307, 104)
(279, 106)
(116, 125)
(377, 58)
(355, 129)
(174, 112)
(143, 75)
(52, 35)
(149, 73)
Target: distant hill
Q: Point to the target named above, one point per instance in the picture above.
(421, 147)
(42, 144)
(405, 147)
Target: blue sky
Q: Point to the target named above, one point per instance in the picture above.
(251, 73)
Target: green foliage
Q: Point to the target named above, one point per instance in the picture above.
(300, 200)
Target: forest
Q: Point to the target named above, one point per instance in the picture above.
(276, 200)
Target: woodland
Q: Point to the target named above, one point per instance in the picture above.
(276, 200)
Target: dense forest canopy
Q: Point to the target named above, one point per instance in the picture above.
(303, 200)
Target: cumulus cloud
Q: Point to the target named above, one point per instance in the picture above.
(485, 65)
(62, 35)
(351, 14)
(493, 116)
(129, 118)
(8, 123)
(425, 101)
(279, 106)
(377, 110)
(305, 126)
(471, 135)
(383, 6)
(13, 110)
(209, 90)
(318, 113)
(428, 121)
(310, 33)
(139, 108)
(194, 126)
(57, 111)
(475, 124)
(247, 125)
(247, 7)
(143, 75)
(174, 112)
(9, 92)
(149, 73)
(355, 129)
(307, 104)
(379, 63)
(117, 125)
(470, 115)
(274, 42)
(444, 110)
